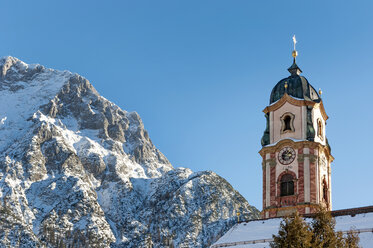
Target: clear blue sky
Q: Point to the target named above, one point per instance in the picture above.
(200, 73)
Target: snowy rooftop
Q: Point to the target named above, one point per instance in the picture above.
(255, 234)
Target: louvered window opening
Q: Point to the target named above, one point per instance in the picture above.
(287, 185)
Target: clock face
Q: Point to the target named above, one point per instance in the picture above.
(286, 155)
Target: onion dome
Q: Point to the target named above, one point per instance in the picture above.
(295, 85)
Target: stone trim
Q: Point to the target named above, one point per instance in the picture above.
(301, 208)
(264, 188)
(296, 145)
(299, 205)
(312, 158)
(292, 117)
(313, 183)
(301, 189)
(272, 186)
(278, 186)
(271, 162)
(286, 98)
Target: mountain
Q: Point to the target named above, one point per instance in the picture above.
(77, 171)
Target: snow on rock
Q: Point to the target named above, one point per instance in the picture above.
(77, 169)
(23, 90)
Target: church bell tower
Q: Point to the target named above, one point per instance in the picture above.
(295, 151)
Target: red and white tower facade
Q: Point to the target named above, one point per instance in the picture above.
(296, 154)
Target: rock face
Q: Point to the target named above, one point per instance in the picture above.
(76, 171)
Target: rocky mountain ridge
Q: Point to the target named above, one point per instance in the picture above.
(76, 171)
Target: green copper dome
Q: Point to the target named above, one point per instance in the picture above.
(297, 86)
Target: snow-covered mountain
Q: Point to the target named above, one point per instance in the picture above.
(76, 170)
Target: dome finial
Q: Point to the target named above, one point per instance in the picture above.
(294, 69)
(294, 53)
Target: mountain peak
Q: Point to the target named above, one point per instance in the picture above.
(73, 162)
(8, 62)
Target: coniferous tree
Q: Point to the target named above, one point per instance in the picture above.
(325, 236)
(323, 229)
(320, 233)
(294, 233)
(352, 240)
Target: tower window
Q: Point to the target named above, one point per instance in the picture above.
(325, 191)
(287, 185)
(287, 123)
(319, 129)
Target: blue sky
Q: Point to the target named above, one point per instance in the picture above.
(200, 73)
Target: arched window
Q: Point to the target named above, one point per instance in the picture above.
(319, 128)
(325, 190)
(287, 120)
(287, 185)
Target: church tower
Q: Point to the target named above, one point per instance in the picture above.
(295, 151)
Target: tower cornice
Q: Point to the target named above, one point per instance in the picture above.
(296, 144)
(297, 102)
